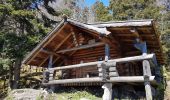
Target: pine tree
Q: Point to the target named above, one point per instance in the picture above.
(101, 12)
(134, 9)
(20, 31)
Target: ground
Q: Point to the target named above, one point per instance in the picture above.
(67, 93)
(61, 94)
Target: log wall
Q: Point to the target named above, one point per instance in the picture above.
(89, 55)
(96, 54)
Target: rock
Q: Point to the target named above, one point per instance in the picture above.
(27, 94)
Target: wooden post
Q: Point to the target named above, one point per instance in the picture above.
(147, 88)
(147, 74)
(105, 69)
(50, 62)
(107, 91)
(107, 52)
(51, 72)
(50, 66)
(103, 72)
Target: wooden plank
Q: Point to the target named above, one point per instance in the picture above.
(97, 79)
(80, 47)
(130, 79)
(127, 59)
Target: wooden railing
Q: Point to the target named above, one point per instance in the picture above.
(108, 73)
(122, 60)
(111, 64)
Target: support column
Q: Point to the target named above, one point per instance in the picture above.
(147, 88)
(107, 91)
(50, 66)
(107, 52)
(107, 85)
(147, 74)
(51, 72)
(146, 67)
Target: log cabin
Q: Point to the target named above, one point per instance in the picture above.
(98, 53)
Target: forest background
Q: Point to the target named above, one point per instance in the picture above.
(23, 24)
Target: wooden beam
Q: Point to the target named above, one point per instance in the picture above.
(53, 53)
(97, 79)
(129, 27)
(65, 39)
(132, 41)
(80, 47)
(49, 52)
(49, 37)
(59, 57)
(132, 35)
(40, 65)
(135, 32)
(127, 59)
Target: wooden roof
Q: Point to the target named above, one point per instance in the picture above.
(121, 31)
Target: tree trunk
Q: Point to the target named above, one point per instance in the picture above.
(17, 67)
(11, 73)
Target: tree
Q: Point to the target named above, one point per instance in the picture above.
(20, 31)
(101, 12)
(134, 9)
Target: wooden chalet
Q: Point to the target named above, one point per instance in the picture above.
(93, 54)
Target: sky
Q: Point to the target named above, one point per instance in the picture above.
(91, 2)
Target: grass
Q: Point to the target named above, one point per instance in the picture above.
(68, 93)
(76, 95)
(62, 93)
